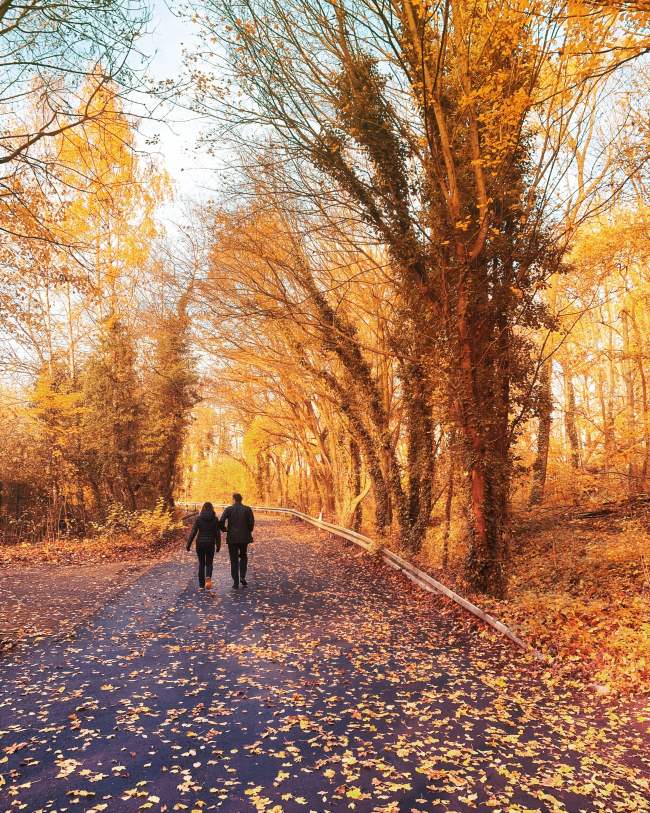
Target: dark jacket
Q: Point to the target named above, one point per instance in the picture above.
(207, 531)
(238, 523)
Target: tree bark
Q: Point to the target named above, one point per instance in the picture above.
(544, 421)
(355, 483)
(483, 419)
(370, 450)
(420, 462)
(645, 466)
(628, 378)
(570, 426)
(449, 499)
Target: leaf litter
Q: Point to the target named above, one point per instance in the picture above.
(330, 684)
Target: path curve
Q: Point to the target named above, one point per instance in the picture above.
(329, 684)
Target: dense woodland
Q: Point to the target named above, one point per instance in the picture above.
(417, 305)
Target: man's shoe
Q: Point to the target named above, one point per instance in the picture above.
(244, 583)
(208, 584)
(235, 586)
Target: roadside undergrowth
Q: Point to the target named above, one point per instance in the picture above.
(122, 536)
(579, 593)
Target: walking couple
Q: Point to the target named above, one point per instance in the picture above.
(237, 521)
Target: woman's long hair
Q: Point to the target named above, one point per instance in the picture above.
(207, 510)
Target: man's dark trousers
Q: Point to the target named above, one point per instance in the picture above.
(238, 561)
(206, 557)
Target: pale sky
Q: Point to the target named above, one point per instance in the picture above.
(193, 173)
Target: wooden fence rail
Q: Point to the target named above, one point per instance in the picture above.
(419, 577)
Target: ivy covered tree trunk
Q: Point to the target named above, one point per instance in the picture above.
(483, 401)
(113, 420)
(169, 395)
(449, 498)
(421, 459)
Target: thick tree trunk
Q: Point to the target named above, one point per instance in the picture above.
(646, 422)
(488, 555)
(279, 472)
(127, 484)
(97, 497)
(607, 413)
(302, 502)
(380, 489)
(483, 403)
(364, 398)
(329, 498)
(610, 423)
(421, 450)
(259, 478)
(307, 489)
(371, 455)
(545, 417)
(420, 462)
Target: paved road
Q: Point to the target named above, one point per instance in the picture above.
(328, 685)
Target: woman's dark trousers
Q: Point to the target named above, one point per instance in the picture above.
(238, 562)
(206, 556)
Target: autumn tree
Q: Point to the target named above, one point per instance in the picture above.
(340, 337)
(421, 117)
(108, 375)
(170, 394)
(49, 54)
(113, 423)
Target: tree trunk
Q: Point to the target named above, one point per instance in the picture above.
(488, 555)
(307, 487)
(606, 411)
(355, 483)
(366, 402)
(570, 426)
(545, 417)
(368, 447)
(328, 497)
(420, 461)
(645, 466)
(611, 392)
(483, 388)
(97, 496)
(448, 502)
(628, 377)
(259, 478)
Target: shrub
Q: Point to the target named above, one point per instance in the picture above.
(156, 525)
(118, 521)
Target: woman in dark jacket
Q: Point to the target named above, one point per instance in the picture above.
(208, 538)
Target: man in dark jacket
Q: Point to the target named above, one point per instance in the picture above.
(207, 531)
(238, 523)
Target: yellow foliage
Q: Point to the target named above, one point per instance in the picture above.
(157, 524)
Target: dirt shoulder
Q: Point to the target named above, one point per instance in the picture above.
(579, 591)
(50, 588)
